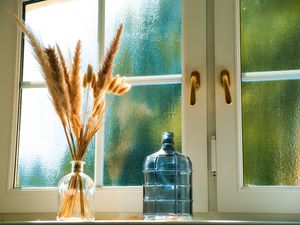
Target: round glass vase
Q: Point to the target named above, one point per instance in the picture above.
(76, 195)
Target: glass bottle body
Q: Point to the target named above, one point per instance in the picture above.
(76, 195)
(167, 188)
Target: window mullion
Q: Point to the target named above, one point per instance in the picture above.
(271, 75)
(32, 84)
(99, 151)
(155, 79)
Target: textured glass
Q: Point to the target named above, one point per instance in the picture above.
(151, 45)
(133, 128)
(43, 151)
(167, 187)
(271, 131)
(63, 22)
(270, 34)
(151, 42)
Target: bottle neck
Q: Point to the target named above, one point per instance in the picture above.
(77, 166)
(168, 147)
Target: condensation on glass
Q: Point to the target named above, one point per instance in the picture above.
(151, 45)
(270, 34)
(43, 155)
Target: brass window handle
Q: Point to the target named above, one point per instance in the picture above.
(225, 81)
(194, 85)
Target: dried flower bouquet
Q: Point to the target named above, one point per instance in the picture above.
(65, 86)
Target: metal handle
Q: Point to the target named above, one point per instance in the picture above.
(225, 81)
(194, 85)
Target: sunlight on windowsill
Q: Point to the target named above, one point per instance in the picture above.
(137, 218)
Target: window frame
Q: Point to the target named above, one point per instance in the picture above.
(116, 199)
(232, 195)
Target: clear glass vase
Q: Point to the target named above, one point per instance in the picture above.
(76, 195)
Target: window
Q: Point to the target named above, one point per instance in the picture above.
(151, 56)
(274, 70)
(256, 137)
(145, 57)
(153, 105)
(43, 153)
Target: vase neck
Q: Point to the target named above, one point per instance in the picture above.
(77, 166)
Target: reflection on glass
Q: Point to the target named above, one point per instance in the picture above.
(151, 42)
(43, 151)
(270, 34)
(63, 22)
(133, 129)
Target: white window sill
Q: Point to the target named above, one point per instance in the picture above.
(128, 219)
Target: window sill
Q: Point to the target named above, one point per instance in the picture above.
(128, 219)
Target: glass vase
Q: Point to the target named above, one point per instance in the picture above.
(76, 195)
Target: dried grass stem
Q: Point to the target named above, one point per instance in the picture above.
(65, 86)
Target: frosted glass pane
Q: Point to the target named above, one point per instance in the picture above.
(270, 34)
(271, 133)
(63, 22)
(43, 151)
(133, 128)
(151, 42)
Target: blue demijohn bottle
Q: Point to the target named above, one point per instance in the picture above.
(167, 189)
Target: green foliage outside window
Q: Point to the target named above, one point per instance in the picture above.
(151, 45)
(270, 41)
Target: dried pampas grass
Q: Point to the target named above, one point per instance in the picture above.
(65, 86)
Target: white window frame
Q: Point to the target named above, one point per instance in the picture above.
(107, 199)
(232, 195)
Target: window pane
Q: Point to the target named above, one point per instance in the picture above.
(270, 35)
(43, 151)
(133, 128)
(63, 22)
(151, 42)
(271, 116)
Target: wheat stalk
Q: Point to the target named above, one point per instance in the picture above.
(65, 86)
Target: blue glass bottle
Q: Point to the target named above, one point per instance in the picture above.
(167, 189)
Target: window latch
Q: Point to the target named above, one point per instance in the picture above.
(194, 85)
(225, 81)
